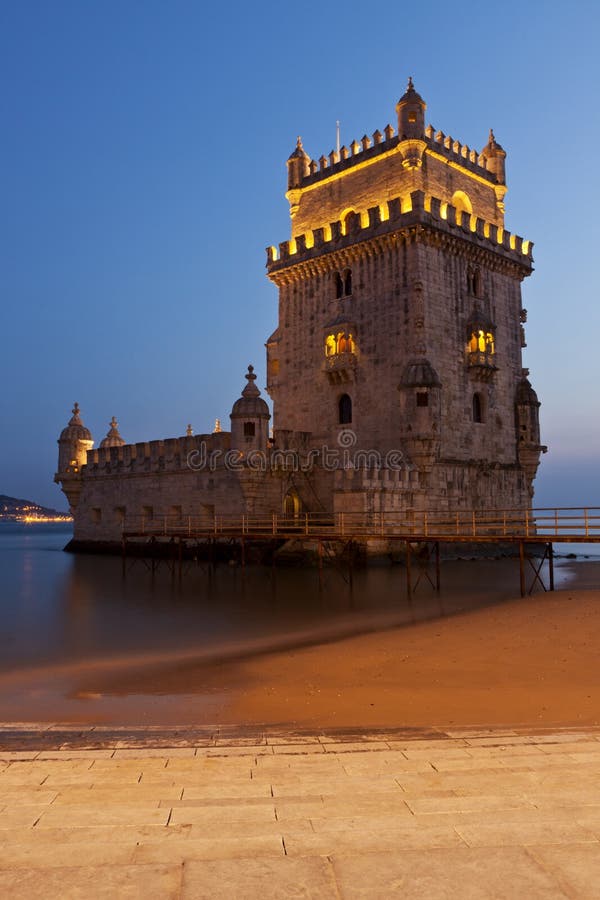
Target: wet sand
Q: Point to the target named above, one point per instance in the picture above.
(532, 661)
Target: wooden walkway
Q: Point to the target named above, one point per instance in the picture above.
(532, 532)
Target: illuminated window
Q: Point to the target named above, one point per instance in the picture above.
(481, 342)
(412, 117)
(422, 398)
(249, 429)
(345, 409)
(477, 408)
(330, 345)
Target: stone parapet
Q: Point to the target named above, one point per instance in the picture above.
(415, 209)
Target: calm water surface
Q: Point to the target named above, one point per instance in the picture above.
(56, 607)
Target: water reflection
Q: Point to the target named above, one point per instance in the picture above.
(57, 608)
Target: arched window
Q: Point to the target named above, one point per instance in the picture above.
(462, 202)
(347, 283)
(339, 285)
(477, 408)
(249, 429)
(345, 409)
(343, 284)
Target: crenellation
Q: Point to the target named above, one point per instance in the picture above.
(398, 212)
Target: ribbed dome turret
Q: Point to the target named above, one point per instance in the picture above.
(298, 165)
(113, 438)
(410, 94)
(419, 372)
(250, 404)
(494, 156)
(410, 110)
(75, 430)
(526, 394)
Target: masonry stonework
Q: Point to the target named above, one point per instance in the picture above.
(395, 369)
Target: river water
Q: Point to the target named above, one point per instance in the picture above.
(62, 613)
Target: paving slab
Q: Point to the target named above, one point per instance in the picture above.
(270, 879)
(460, 873)
(152, 882)
(378, 813)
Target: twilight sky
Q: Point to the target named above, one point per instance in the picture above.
(142, 174)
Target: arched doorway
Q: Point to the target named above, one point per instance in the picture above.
(291, 505)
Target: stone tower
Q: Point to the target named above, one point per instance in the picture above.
(400, 315)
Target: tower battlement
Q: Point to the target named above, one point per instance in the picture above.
(385, 142)
(400, 212)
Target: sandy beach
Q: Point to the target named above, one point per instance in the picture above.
(531, 661)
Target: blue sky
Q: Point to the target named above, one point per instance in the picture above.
(142, 174)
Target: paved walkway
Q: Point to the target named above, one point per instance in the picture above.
(153, 813)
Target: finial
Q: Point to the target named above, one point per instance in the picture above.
(114, 424)
(299, 143)
(217, 428)
(492, 137)
(251, 376)
(189, 431)
(410, 86)
(75, 409)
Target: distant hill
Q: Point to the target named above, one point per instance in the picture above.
(14, 510)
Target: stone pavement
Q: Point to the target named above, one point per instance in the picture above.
(156, 813)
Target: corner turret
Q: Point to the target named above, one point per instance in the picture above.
(494, 155)
(113, 438)
(529, 448)
(298, 166)
(73, 444)
(420, 404)
(410, 109)
(250, 418)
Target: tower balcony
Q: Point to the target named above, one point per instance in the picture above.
(340, 366)
(481, 364)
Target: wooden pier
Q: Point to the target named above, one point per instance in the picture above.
(531, 532)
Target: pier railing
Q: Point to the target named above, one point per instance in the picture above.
(560, 524)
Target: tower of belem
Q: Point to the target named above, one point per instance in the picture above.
(395, 370)
(400, 319)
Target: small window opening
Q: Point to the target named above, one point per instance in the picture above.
(96, 515)
(148, 512)
(412, 116)
(339, 286)
(348, 283)
(345, 410)
(477, 408)
(249, 429)
(422, 398)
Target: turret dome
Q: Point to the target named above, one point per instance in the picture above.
(250, 404)
(526, 394)
(113, 438)
(411, 95)
(419, 373)
(76, 430)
